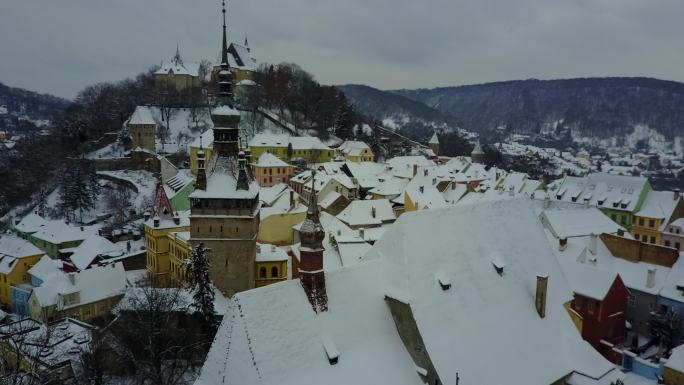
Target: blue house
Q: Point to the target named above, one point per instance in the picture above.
(20, 297)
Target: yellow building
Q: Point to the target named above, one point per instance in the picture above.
(277, 222)
(287, 148)
(658, 210)
(270, 265)
(17, 256)
(3, 135)
(83, 295)
(157, 240)
(179, 251)
(356, 151)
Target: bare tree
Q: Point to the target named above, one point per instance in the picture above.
(153, 335)
(119, 202)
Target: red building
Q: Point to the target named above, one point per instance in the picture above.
(601, 302)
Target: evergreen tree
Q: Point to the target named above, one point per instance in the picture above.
(197, 266)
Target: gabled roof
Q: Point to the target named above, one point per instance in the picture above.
(269, 160)
(283, 342)
(578, 222)
(361, 213)
(659, 205)
(606, 191)
(13, 246)
(485, 320)
(89, 249)
(142, 115)
(434, 139)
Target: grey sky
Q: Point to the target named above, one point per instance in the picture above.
(60, 46)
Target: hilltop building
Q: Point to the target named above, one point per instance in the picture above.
(176, 76)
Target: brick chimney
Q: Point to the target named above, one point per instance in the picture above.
(311, 249)
(562, 244)
(540, 295)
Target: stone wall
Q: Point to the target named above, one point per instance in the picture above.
(637, 251)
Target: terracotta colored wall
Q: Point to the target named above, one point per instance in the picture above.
(636, 251)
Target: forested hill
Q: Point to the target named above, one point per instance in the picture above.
(16, 103)
(602, 107)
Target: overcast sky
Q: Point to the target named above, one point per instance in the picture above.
(60, 46)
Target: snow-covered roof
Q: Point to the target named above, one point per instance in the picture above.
(177, 67)
(168, 223)
(578, 222)
(676, 360)
(370, 213)
(675, 280)
(270, 253)
(269, 160)
(94, 284)
(608, 191)
(659, 205)
(353, 147)
(225, 111)
(307, 143)
(57, 232)
(30, 223)
(206, 139)
(142, 115)
(351, 249)
(269, 140)
(222, 184)
(46, 268)
(402, 166)
(462, 327)
(269, 195)
(283, 342)
(13, 246)
(89, 249)
(391, 187)
(434, 139)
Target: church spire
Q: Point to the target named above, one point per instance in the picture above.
(311, 250)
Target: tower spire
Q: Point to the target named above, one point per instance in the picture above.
(225, 76)
(224, 47)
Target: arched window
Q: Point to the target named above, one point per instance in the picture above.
(274, 272)
(262, 272)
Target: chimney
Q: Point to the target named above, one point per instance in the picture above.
(362, 233)
(292, 201)
(676, 194)
(421, 189)
(176, 219)
(621, 232)
(156, 222)
(562, 244)
(415, 169)
(650, 277)
(453, 185)
(147, 216)
(540, 295)
(547, 202)
(593, 243)
(273, 248)
(72, 278)
(511, 191)
(373, 211)
(258, 248)
(425, 172)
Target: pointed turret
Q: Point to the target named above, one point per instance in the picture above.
(434, 143)
(177, 59)
(311, 254)
(247, 45)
